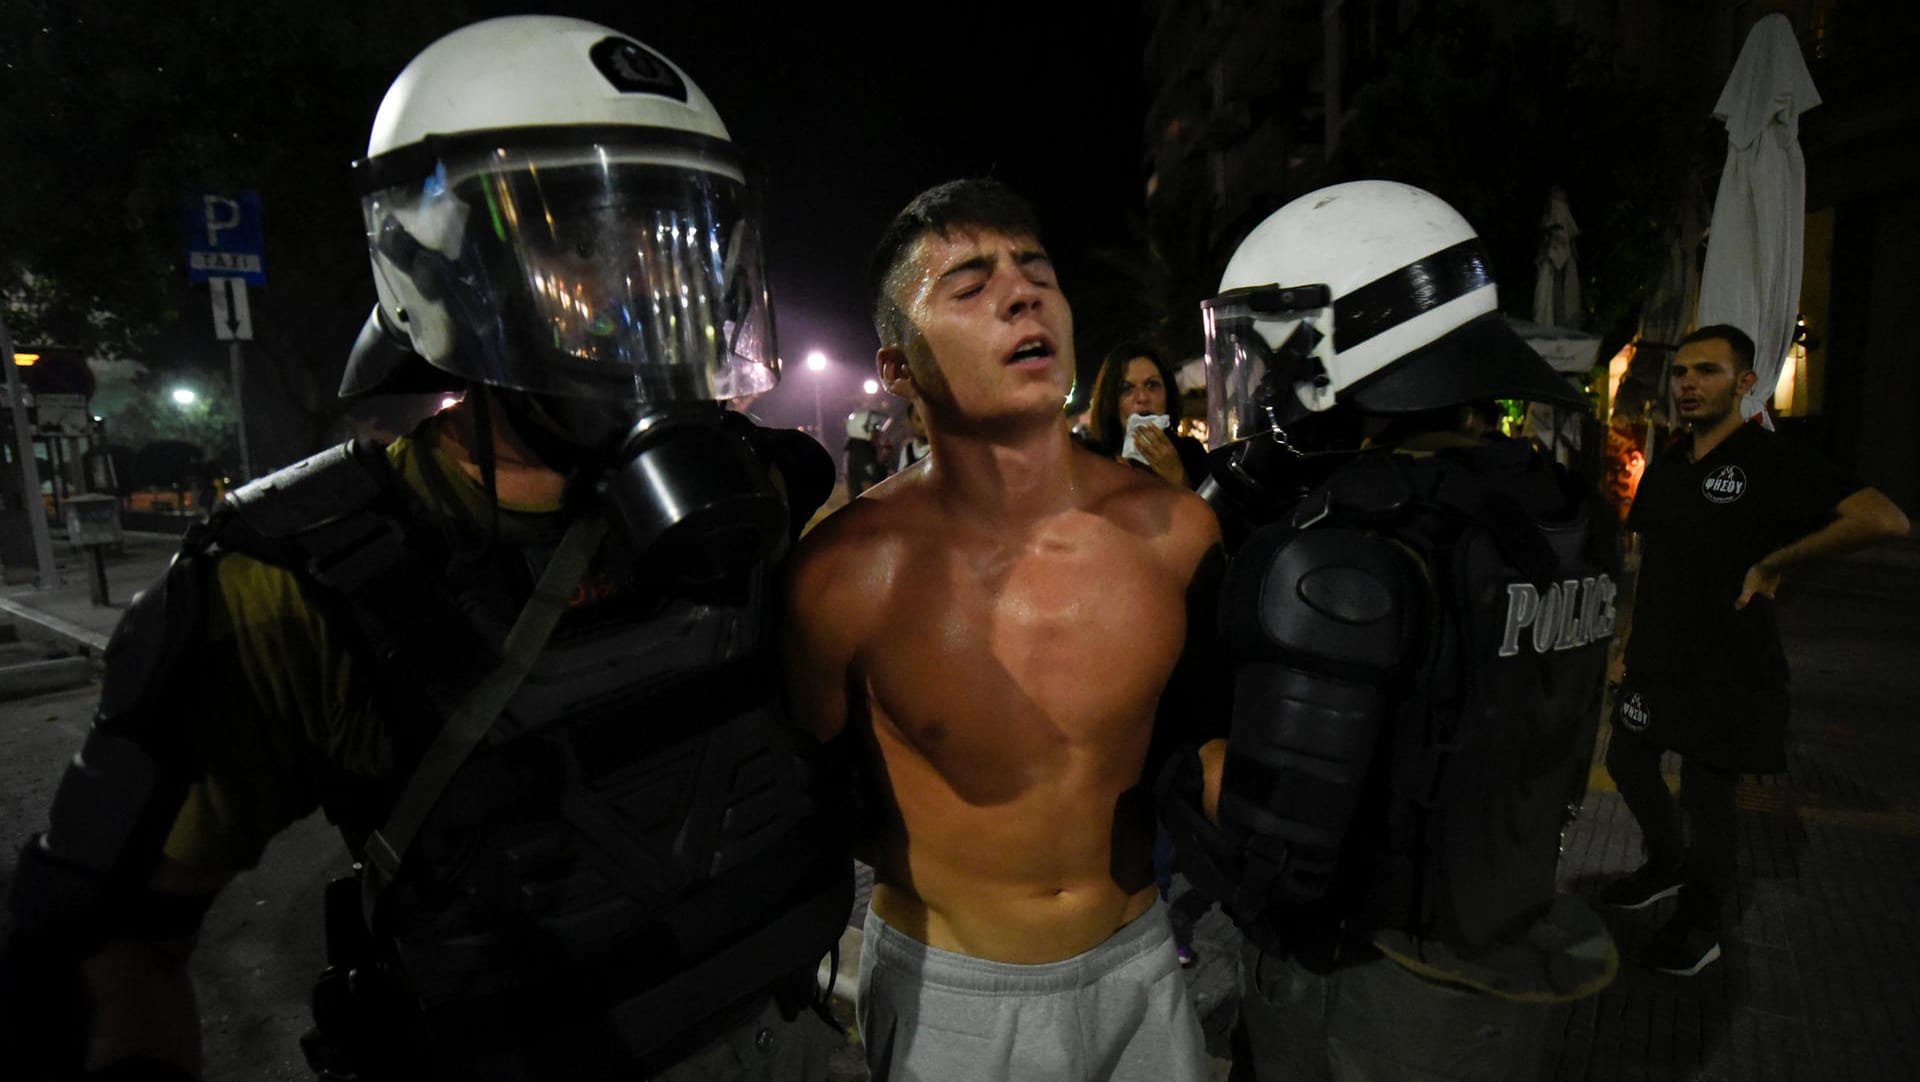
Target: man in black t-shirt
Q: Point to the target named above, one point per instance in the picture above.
(1717, 520)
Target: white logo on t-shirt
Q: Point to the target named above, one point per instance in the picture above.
(1724, 485)
(1634, 713)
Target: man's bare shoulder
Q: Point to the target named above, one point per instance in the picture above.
(860, 547)
(1169, 517)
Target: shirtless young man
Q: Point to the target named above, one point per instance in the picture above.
(995, 630)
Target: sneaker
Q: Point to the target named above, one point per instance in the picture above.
(1643, 887)
(1683, 947)
(1187, 956)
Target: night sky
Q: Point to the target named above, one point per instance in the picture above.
(849, 117)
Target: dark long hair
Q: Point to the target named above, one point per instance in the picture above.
(1107, 427)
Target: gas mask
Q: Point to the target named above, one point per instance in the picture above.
(682, 482)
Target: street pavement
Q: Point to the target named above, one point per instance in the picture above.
(1817, 981)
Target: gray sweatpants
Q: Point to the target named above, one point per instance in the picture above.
(1120, 1011)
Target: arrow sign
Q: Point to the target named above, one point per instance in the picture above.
(231, 320)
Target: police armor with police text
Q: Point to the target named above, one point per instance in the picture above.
(1416, 643)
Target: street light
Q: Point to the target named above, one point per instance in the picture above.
(817, 363)
(184, 396)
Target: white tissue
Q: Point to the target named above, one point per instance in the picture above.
(1138, 420)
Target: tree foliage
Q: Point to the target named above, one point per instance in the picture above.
(116, 115)
(209, 421)
(1491, 106)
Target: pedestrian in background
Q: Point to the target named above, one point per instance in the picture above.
(1718, 519)
(915, 447)
(1135, 381)
(863, 462)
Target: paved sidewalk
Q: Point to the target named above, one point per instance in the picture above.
(66, 611)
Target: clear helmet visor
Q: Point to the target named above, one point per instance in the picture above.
(1251, 387)
(616, 272)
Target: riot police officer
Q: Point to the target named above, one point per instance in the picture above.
(865, 466)
(519, 656)
(1417, 619)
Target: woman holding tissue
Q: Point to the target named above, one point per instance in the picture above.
(1135, 412)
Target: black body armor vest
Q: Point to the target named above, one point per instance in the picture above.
(1488, 746)
(1419, 647)
(636, 855)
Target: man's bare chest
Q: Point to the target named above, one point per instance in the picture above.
(1018, 651)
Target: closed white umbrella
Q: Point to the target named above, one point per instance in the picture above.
(1556, 279)
(1752, 274)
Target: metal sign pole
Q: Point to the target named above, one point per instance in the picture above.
(29, 468)
(224, 246)
(240, 412)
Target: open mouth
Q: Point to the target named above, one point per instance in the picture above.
(1031, 349)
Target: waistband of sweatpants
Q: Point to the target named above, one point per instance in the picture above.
(1143, 935)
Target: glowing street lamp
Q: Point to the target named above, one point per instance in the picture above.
(184, 396)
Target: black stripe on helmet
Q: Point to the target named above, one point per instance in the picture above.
(1400, 295)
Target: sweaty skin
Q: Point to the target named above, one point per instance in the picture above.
(996, 629)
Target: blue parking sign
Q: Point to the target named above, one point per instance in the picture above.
(224, 238)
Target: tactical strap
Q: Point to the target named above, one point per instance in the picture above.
(469, 722)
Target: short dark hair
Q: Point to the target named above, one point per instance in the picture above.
(1735, 338)
(969, 203)
(1103, 406)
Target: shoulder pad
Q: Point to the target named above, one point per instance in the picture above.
(1371, 489)
(151, 635)
(1332, 600)
(330, 485)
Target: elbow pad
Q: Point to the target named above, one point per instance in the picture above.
(1322, 626)
(83, 881)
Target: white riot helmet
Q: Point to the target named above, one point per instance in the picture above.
(554, 208)
(865, 423)
(1371, 294)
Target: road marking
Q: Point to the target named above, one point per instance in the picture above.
(1806, 807)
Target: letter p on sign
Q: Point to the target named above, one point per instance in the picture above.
(221, 214)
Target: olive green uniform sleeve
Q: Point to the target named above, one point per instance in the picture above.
(274, 706)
